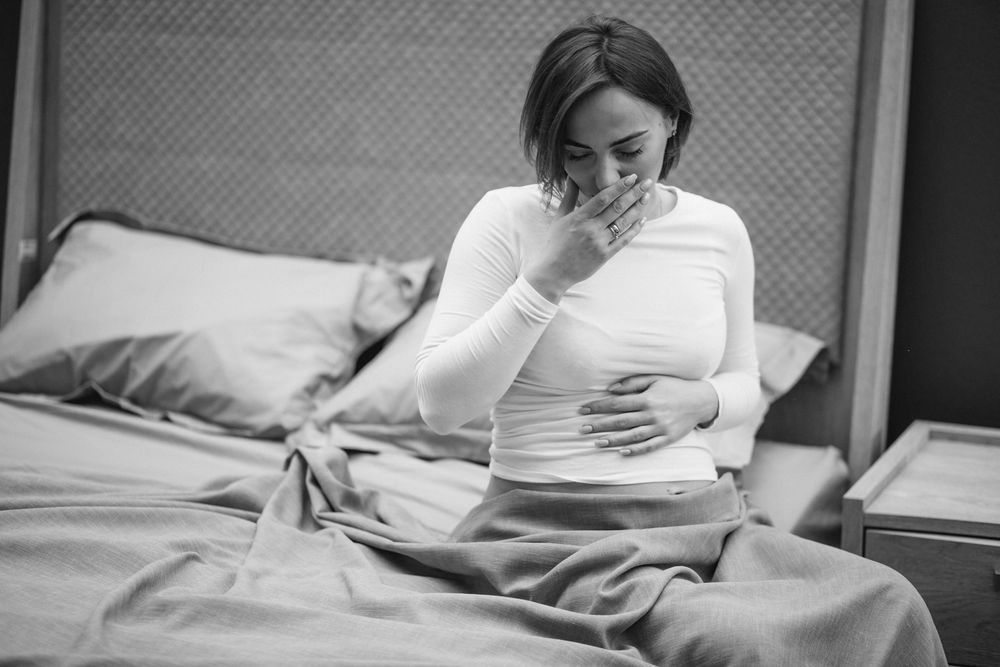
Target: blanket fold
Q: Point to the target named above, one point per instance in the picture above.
(303, 566)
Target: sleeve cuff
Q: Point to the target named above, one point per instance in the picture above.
(533, 304)
(705, 426)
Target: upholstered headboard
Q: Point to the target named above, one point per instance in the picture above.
(371, 127)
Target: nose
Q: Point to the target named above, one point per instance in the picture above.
(608, 172)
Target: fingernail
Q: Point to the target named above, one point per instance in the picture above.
(586, 428)
(626, 452)
(584, 411)
(616, 384)
(630, 179)
(601, 443)
(644, 199)
(645, 184)
(642, 222)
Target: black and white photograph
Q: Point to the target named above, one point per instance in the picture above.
(500, 332)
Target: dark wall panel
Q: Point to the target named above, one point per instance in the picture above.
(946, 364)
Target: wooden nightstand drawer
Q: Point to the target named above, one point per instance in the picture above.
(957, 578)
(930, 509)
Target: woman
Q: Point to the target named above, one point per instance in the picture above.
(620, 322)
(605, 333)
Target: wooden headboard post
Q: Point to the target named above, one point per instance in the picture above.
(876, 218)
(23, 188)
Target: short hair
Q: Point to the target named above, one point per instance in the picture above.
(600, 52)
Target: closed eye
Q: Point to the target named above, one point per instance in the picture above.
(625, 155)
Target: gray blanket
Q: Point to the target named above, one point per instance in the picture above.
(303, 567)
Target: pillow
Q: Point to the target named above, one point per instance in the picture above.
(378, 409)
(200, 333)
(784, 356)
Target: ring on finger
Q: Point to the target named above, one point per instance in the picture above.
(615, 231)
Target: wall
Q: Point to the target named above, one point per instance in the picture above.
(946, 363)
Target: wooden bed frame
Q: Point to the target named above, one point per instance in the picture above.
(441, 66)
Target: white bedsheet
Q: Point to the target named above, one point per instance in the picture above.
(38, 431)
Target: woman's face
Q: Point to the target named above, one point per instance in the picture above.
(611, 134)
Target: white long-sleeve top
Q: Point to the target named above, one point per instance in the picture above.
(678, 300)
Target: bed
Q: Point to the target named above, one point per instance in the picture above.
(226, 225)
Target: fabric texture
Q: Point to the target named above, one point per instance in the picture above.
(45, 432)
(52, 435)
(801, 488)
(205, 335)
(305, 567)
(377, 410)
(676, 301)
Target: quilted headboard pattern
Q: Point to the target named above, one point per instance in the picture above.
(371, 127)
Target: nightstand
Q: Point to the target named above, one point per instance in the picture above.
(930, 508)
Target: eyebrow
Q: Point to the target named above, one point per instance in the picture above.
(617, 142)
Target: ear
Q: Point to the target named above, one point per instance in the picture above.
(671, 123)
(674, 123)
